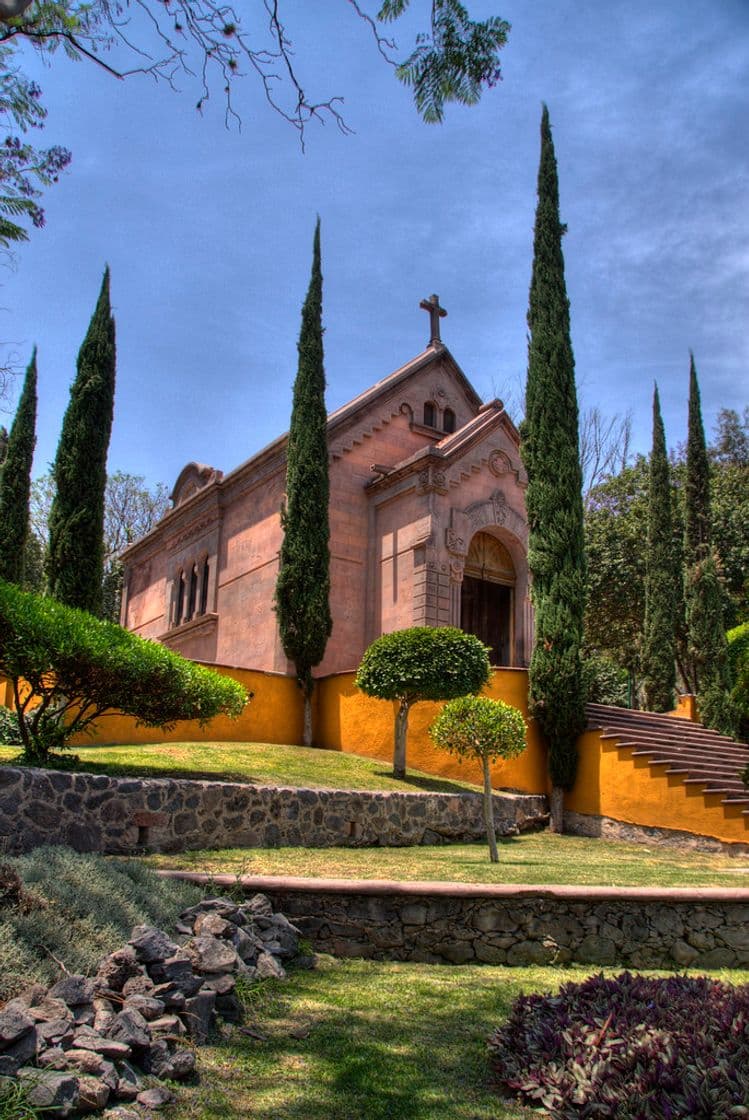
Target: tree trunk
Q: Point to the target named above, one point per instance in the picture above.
(307, 733)
(489, 813)
(556, 802)
(401, 731)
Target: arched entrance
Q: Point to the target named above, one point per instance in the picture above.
(487, 593)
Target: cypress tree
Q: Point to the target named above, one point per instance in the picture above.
(550, 450)
(75, 565)
(303, 584)
(661, 579)
(707, 648)
(15, 482)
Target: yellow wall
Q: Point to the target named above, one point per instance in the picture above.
(611, 783)
(350, 721)
(273, 716)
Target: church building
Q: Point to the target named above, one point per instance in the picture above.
(427, 528)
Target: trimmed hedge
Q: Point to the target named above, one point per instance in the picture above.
(424, 663)
(68, 668)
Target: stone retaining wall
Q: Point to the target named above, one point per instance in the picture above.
(96, 813)
(460, 923)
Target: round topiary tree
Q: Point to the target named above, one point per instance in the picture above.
(421, 663)
(480, 728)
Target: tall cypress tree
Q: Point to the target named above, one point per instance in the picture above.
(661, 579)
(15, 481)
(303, 585)
(707, 648)
(75, 564)
(550, 450)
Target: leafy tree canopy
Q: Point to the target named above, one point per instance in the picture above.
(68, 669)
(424, 663)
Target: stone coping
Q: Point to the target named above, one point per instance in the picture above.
(419, 888)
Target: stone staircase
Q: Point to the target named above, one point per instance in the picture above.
(699, 757)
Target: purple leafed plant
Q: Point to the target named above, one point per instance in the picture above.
(629, 1048)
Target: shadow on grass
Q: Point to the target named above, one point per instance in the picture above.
(429, 785)
(118, 770)
(408, 1054)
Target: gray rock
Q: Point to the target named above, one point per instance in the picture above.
(152, 944)
(178, 970)
(247, 944)
(55, 1092)
(14, 1024)
(128, 1083)
(210, 923)
(140, 984)
(25, 1048)
(166, 1026)
(222, 983)
(171, 996)
(198, 1015)
(30, 996)
(9, 1066)
(156, 1098)
(155, 1060)
(269, 968)
(149, 1007)
(684, 954)
(87, 1061)
(181, 1065)
(115, 970)
(258, 906)
(88, 1039)
(49, 1009)
(54, 1058)
(208, 954)
(73, 990)
(118, 1113)
(229, 1008)
(58, 1032)
(129, 1027)
(93, 1094)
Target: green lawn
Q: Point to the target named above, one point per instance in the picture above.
(539, 857)
(364, 1040)
(259, 763)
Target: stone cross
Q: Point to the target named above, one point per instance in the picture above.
(432, 305)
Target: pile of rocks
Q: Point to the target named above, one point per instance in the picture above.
(86, 1043)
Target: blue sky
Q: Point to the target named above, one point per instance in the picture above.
(208, 232)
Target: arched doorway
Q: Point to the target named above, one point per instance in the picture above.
(486, 601)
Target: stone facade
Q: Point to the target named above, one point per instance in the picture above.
(96, 813)
(427, 519)
(455, 923)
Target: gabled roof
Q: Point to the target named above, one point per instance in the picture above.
(454, 446)
(337, 422)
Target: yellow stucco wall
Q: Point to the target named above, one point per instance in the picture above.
(350, 721)
(273, 716)
(611, 783)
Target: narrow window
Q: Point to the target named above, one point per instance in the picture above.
(204, 587)
(180, 603)
(193, 593)
(448, 420)
(430, 414)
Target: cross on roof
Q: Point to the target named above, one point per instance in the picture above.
(432, 305)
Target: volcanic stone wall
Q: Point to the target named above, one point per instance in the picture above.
(462, 923)
(97, 813)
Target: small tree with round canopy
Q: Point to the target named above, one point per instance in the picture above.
(421, 663)
(477, 727)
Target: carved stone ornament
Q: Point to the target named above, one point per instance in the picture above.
(194, 529)
(193, 477)
(455, 543)
(456, 571)
(432, 479)
(499, 464)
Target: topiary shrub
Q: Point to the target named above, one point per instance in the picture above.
(421, 663)
(483, 729)
(629, 1046)
(69, 668)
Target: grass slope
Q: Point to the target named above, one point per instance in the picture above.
(258, 763)
(539, 857)
(361, 1040)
